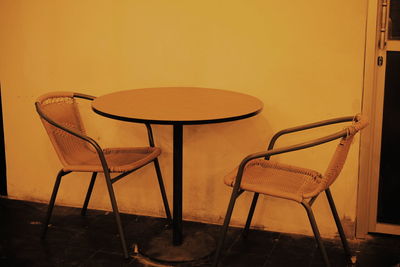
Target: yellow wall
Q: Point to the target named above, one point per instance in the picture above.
(304, 60)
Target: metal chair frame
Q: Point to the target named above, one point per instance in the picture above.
(107, 175)
(236, 191)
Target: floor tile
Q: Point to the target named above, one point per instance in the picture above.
(92, 240)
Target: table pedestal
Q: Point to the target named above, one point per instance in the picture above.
(177, 184)
(196, 245)
(172, 246)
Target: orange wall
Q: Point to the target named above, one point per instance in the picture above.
(303, 60)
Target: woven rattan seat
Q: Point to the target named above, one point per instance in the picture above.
(257, 173)
(278, 180)
(118, 159)
(78, 152)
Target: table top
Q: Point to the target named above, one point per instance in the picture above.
(177, 105)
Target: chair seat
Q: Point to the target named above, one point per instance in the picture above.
(118, 159)
(278, 179)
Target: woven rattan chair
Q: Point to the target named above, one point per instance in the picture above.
(257, 173)
(77, 152)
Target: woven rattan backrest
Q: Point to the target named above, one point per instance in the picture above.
(62, 108)
(339, 157)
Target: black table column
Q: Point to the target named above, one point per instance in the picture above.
(177, 187)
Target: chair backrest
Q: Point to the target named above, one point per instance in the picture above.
(62, 108)
(339, 157)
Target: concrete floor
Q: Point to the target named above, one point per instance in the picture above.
(74, 240)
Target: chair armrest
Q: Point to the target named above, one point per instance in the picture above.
(83, 96)
(266, 154)
(306, 127)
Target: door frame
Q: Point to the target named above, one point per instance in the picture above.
(370, 142)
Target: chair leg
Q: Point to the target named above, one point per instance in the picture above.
(88, 194)
(316, 233)
(250, 216)
(116, 214)
(225, 227)
(162, 189)
(52, 201)
(339, 225)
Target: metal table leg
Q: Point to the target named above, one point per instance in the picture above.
(177, 193)
(172, 246)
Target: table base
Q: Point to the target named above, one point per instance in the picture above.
(195, 246)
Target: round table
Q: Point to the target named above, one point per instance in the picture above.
(177, 106)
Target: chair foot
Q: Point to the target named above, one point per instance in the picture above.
(339, 226)
(224, 228)
(116, 213)
(316, 233)
(244, 234)
(353, 260)
(245, 231)
(52, 201)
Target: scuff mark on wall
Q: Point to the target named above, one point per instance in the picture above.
(348, 227)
